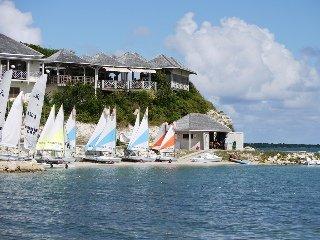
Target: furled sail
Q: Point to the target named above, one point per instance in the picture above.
(11, 131)
(168, 142)
(160, 136)
(107, 139)
(98, 130)
(33, 115)
(135, 129)
(56, 138)
(141, 138)
(4, 94)
(71, 132)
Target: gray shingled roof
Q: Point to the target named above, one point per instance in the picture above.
(103, 59)
(163, 61)
(65, 56)
(10, 46)
(199, 122)
(134, 60)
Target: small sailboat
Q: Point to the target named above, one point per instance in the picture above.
(4, 95)
(70, 138)
(52, 139)
(138, 147)
(167, 146)
(11, 131)
(101, 146)
(206, 158)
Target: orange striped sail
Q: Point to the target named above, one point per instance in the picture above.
(160, 136)
(169, 141)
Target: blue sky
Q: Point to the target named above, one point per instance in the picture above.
(259, 61)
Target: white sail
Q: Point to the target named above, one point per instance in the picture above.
(141, 141)
(107, 139)
(98, 130)
(56, 139)
(33, 115)
(11, 131)
(168, 143)
(44, 136)
(135, 129)
(4, 94)
(71, 132)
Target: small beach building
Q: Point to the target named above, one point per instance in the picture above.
(234, 141)
(177, 74)
(26, 63)
(197, 131)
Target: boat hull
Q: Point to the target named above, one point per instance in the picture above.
(101, 159)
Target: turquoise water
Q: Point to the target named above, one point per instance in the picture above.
(228, 202)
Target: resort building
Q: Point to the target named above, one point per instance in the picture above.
(27, 64)
(127, 72)
(176, 73)
(197, 131)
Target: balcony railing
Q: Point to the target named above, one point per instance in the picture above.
(21, 75)
(63, 80)
(114, 84)
(179, 85)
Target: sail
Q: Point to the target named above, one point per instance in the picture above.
(44, 136)
(33, 115)
(56, 140)
(107, 139)
(142, 136)
(98, 130)
(4, 94)
(71, 131)
(168, 142)
(11, 131)
(135, 129)
(160, 136)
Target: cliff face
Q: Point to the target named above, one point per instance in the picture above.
(221, 117)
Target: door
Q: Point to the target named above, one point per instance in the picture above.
(205, 141)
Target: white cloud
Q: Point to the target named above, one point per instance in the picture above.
(18, 25)
(141, 31)
(245, 67)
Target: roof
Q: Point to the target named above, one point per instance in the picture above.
(163, 61)
(103, 59)
(8, 46)
(65, 56)
(199, 122)
(134, 60)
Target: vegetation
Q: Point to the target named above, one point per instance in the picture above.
(45, 51)
(165, 105)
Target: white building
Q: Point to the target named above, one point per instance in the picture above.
(234, 141)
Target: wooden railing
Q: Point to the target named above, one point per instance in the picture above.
(21, 75)
(179, 85)
(63, 80)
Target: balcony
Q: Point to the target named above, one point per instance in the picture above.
(180, 85)
(63, 80)
(19, 75)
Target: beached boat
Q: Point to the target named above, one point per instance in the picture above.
(166, 147)
(206, 158)
(311, 162)
(240, 161)
(138, 147)
(101, 146)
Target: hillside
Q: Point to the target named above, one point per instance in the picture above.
(164, 105)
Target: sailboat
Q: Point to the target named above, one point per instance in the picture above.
(167, 146)
(138, 147)
(4, 95)
(52, 138)
(11, 130)
(101, 146)
(160, 136)
(70, 138)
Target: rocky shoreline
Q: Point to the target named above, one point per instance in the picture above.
(20, 166)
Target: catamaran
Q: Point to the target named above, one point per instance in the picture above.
(101, 146)
(138, 147)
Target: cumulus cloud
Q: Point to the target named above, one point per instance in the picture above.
(247, 69)
(18, 25)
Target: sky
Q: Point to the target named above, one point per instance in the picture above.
(258, 61)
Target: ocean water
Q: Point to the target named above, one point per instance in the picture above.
(227, 202)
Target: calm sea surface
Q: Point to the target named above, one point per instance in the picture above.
(228, 202)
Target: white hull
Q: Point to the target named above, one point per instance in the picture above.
(206, 160)
(139, 159)
(102, 159)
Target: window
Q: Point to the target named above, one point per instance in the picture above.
(14, 92)
(186, 136)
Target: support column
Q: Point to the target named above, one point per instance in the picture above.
(42, 70)
(96, 76)
(0, 68)
(189, 141)
(28, 71)
(8, 65)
